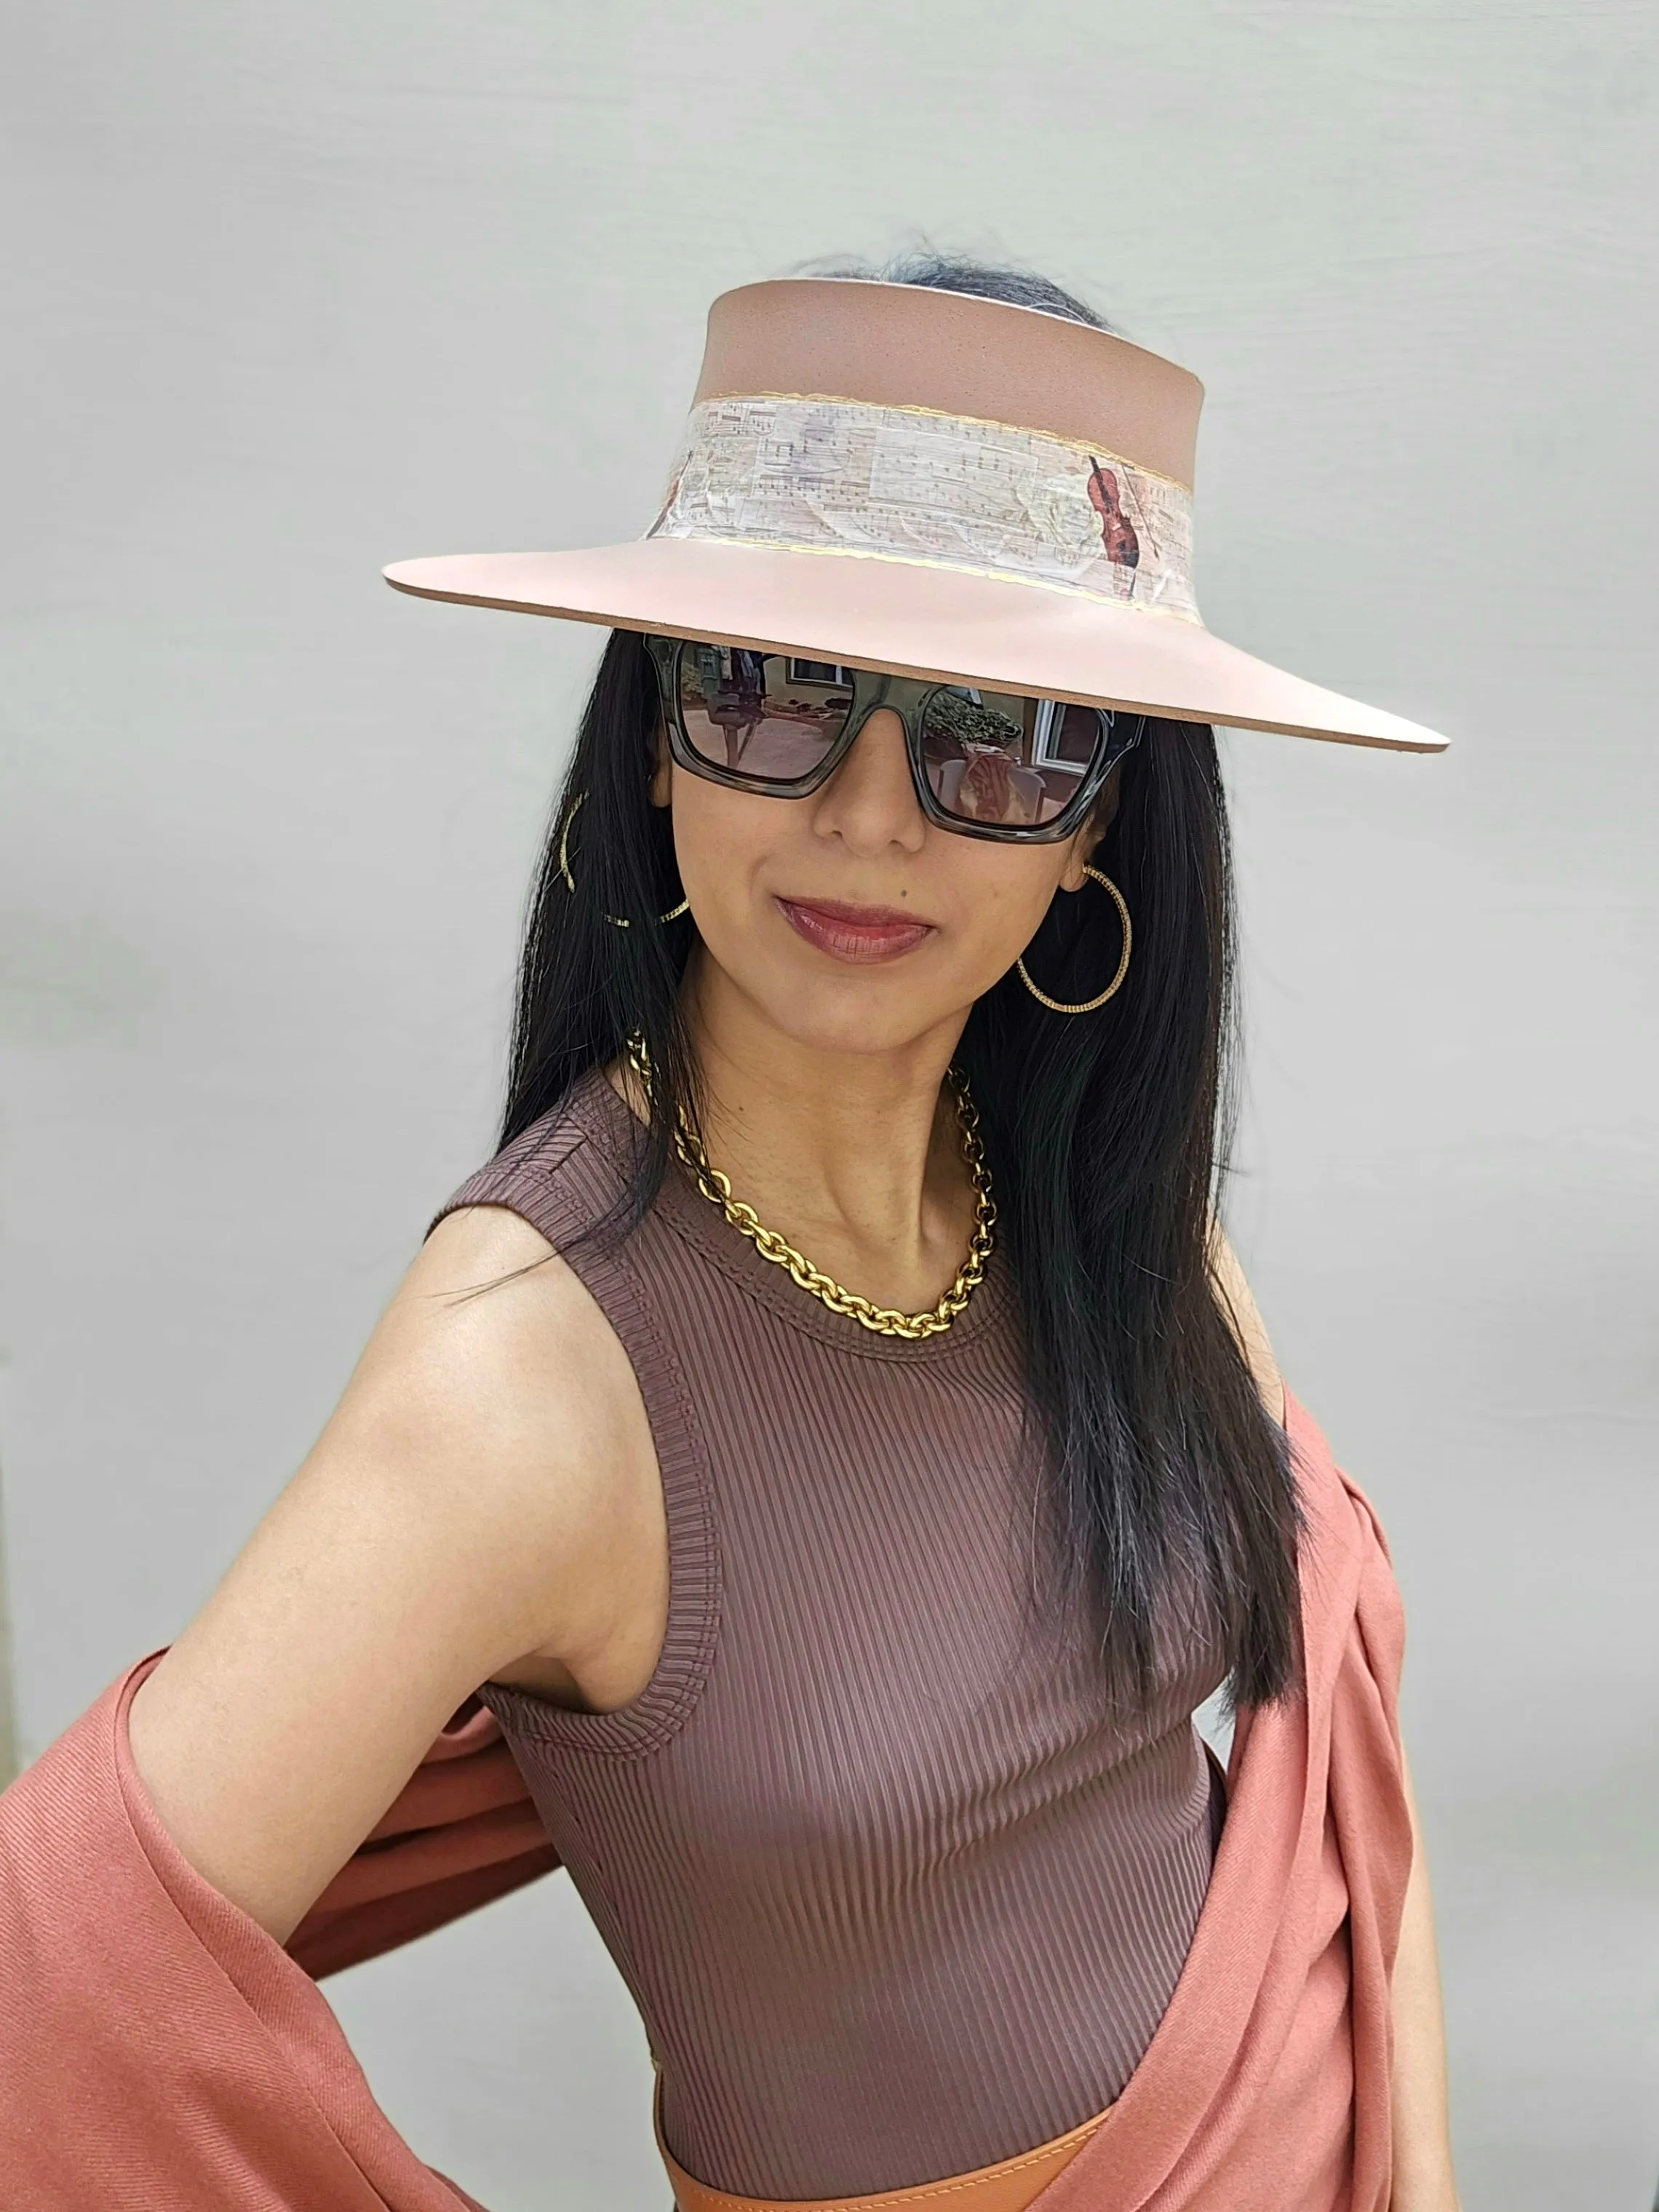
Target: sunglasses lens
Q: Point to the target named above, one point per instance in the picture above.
(997, 756)
(765, 716)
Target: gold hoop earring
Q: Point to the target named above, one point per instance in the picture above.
(617, 920)
(1088, 1007)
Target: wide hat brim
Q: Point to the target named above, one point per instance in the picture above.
(912, 619)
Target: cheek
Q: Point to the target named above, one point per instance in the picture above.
(1001, 896)
(723, 840)
(734, 850)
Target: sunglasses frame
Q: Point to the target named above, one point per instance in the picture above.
(908, 697)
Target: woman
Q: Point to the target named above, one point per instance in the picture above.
(832, 1438)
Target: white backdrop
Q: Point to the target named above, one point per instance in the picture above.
(295, 291)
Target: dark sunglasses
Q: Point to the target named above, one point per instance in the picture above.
(987, 763)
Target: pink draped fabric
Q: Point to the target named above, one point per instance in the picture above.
(160, 2053)
(1266, 2086)
(461, 1831)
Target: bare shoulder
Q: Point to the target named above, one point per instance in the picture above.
(466, 1504)
(492, 1340)
(1240, 1306)
(497, 1403)
(496, 1396)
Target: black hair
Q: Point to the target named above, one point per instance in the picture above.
(934, 271)
(1107, 1136)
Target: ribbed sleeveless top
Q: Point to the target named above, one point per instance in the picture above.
(896, 1894)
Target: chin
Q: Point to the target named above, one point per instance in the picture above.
(854, 1021)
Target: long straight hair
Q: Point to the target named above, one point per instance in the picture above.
(1106, 1135)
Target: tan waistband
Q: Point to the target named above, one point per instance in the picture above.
(1008, 2186)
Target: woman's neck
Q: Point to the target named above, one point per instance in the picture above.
(854, 1157)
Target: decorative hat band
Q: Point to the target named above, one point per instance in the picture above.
(913, 484)
(956, 452)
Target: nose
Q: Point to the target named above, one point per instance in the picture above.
(870, 802)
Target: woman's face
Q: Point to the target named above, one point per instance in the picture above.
(847, 919)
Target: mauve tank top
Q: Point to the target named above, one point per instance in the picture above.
(896, 1896)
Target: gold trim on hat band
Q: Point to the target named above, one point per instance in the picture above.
(808, 474)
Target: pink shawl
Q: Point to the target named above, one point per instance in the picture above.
(159, 2051)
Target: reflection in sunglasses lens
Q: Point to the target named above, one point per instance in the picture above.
(989, 757)
(770, 715)
(1000, 757)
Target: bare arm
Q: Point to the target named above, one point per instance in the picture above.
(1248, 1325)
(1423, 2177)
(467, 1504)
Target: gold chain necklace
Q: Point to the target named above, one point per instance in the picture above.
(882, 1320)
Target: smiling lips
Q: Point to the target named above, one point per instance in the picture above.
(856, 932)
